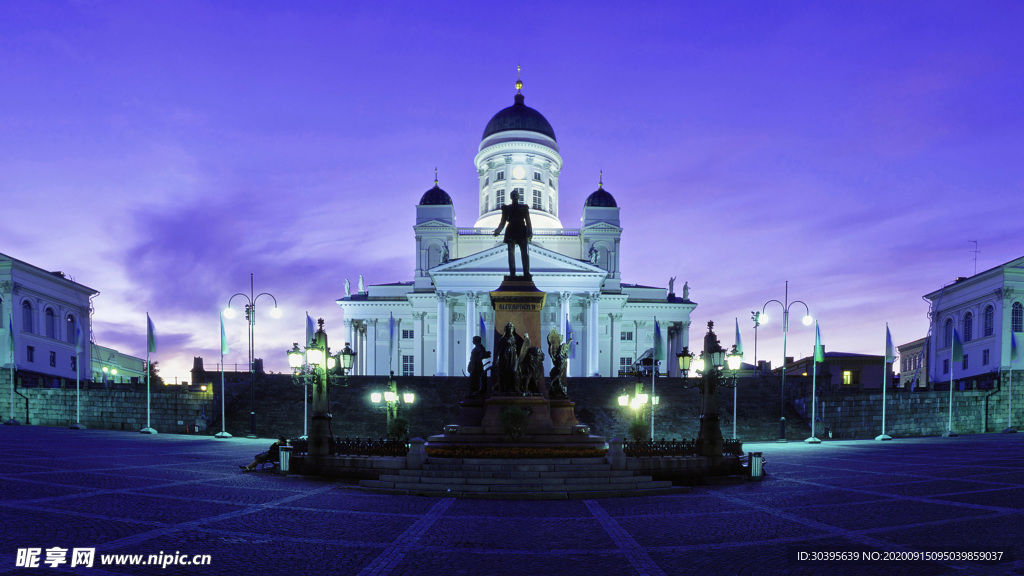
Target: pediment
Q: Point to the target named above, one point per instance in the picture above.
(485, 270)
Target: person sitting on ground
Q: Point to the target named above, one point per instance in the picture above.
(271, 455)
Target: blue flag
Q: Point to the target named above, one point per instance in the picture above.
(483, 329)
(223, 338)
(391, 336)
(889, 356)
(150, 335)
(958, 347)
(78, 339)
(659, 345)
(569, 337)
(1013, 346)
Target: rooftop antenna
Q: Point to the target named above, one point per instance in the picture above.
(976, 251)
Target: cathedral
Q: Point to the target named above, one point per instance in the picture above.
(426, 326)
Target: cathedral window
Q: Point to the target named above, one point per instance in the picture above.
(499, 176)
(538, 177)
(499, 199)
(626, 336)
(625, 365)
(537, 203)
(408, 365)
(408, 334)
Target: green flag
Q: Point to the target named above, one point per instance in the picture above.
(819, 351)
(659, 345)
(958, 347)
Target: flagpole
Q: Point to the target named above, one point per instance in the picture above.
(78, 393)
(223, 398)
(10, 336)
(885, 375)
(814, 385)
(150, 347)
(952, 359)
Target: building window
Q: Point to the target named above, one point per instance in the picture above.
(499, 199)
(947, 334)
(625, 365)
(522, 194)
(537, 177)
(408, 365)
(499, 176)
(408, 334)
(968, 327)
(53, 359)
(989, 320)
(537, 200)
(626, 336)
(945, 366)
(30, 353)
(72, 329)
(984, 357)
(847, 378)
(74, 363)
(965, 362)
(1017, 317)
(51, 323)
(26, 316)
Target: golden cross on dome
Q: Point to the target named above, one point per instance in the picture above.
(519, 79)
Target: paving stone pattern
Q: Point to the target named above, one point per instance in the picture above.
(127, 493)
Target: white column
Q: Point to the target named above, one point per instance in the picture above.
(421, 337)
(614, 328)
(564, 300)
(471, 322)
(593, 348)
(371, 347)
(442, 333)
(348, 334)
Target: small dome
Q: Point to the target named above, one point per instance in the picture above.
(519, 116)
(435, 197)
(601, 199)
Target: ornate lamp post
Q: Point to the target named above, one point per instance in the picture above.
(734, 359)
(755, 316)
(638, 401)
(785, 332)
(325, 369)
(392, 399)
(250, 316)
(709, 365)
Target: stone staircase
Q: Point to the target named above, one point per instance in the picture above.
(535, 479)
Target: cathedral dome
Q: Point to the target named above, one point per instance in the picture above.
(601, 199)
(519, 116)
(435, 197)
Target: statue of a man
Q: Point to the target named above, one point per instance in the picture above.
(348, 288)
(672, 286)
(518, 233)
(507, 349)
(477, 375)
(686, 290)
(361, 289)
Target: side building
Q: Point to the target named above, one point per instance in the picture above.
(984, 310)
(426, 326)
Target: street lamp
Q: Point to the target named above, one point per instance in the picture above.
(785, 333)
(734, 360)
(202, 389)
(250, 316)
(709, 367)
(325, 370)
(685, 359)
(755, 316)
(392, 399)
(637, 402)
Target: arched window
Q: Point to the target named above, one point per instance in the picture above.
(968, 327)
(1017, 317)
(947, 334)
(51, 323)
(989, 321)
(72, 329)
(26, 316)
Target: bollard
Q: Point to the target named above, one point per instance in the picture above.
(285, 453)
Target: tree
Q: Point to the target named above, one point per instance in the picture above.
(154, 373)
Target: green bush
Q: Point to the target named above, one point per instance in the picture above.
(398, 429)
(513, 422)
(639, 430)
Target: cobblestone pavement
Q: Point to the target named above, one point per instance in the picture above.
(124, 493)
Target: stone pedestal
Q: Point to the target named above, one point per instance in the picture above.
(551, 424)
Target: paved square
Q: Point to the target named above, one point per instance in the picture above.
(129, 494)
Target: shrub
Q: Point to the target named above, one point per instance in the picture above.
(398, 429)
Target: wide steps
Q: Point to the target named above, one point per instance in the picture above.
(514, 479)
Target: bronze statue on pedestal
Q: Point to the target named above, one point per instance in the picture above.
(518, 233)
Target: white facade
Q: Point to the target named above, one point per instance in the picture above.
(984, 309)
(437, 314)
(45, 310)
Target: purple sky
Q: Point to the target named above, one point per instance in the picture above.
(159, 152)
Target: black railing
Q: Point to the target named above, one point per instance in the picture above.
(658, 448)
(358, 447)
